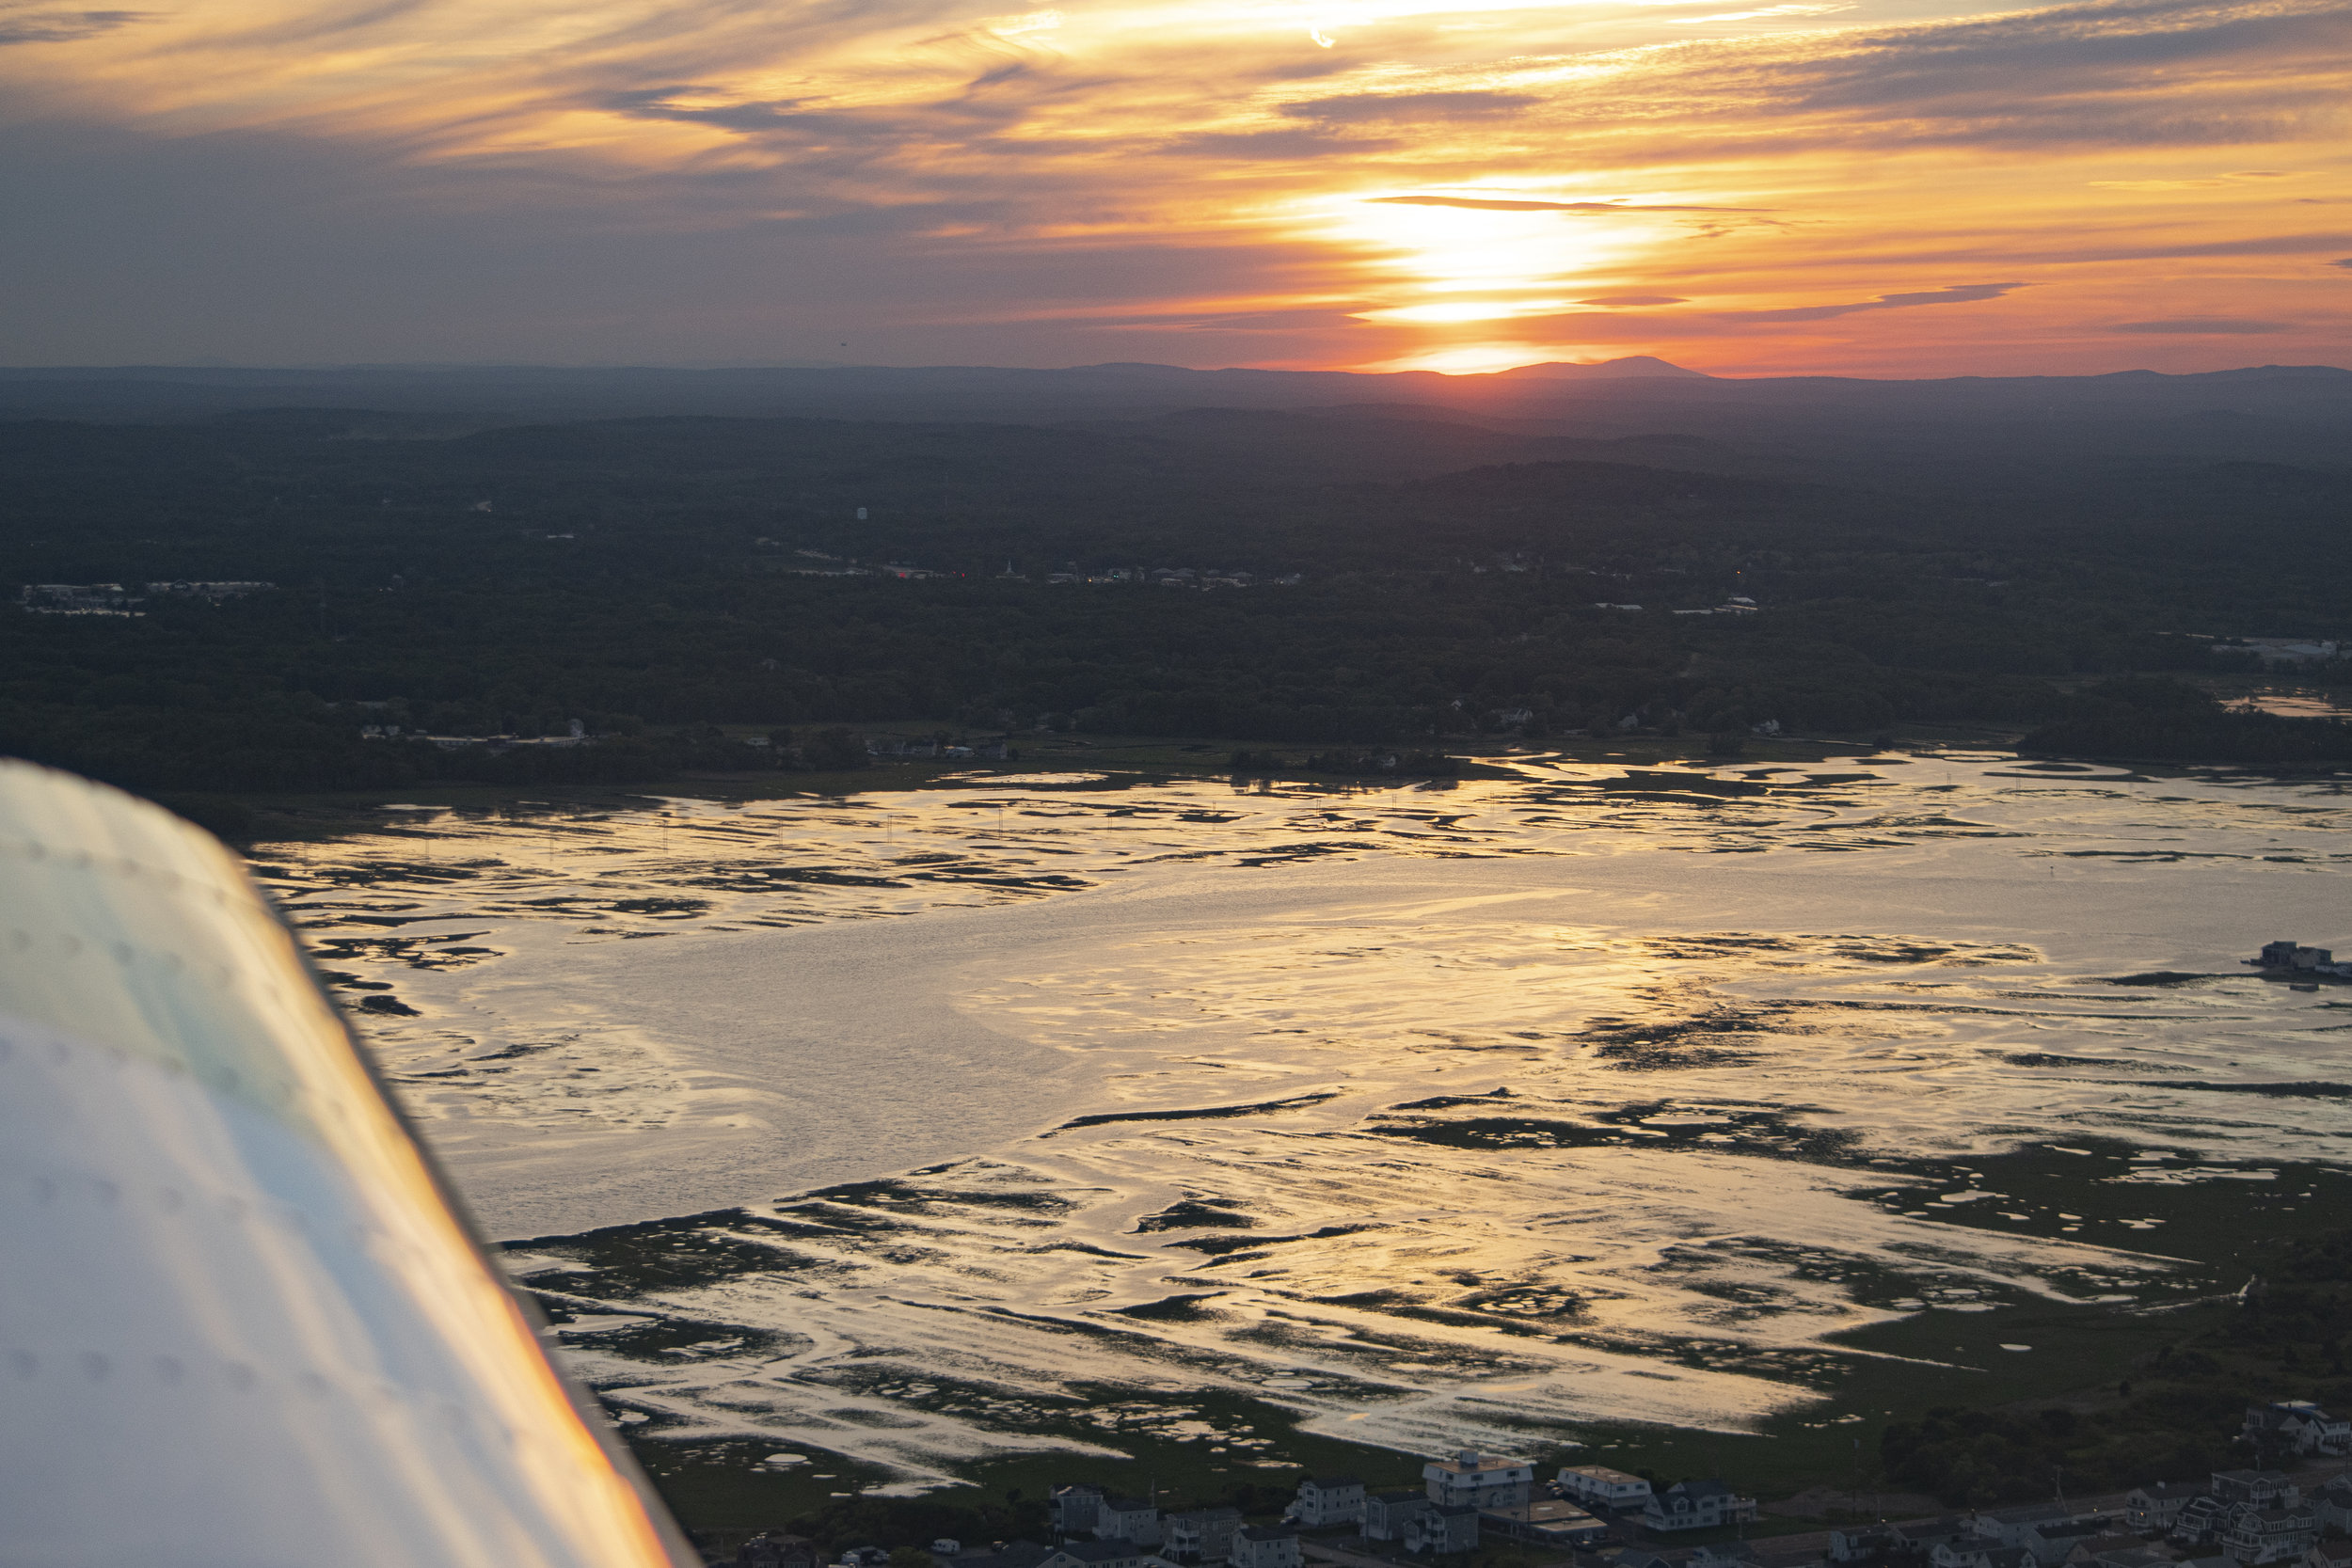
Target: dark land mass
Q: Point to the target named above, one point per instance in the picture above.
(2054, 556)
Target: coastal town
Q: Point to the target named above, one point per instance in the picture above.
(1593, 1516)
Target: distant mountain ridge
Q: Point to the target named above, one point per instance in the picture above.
(1639, 366)
(2298, 415)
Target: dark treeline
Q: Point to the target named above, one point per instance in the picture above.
(641, 578)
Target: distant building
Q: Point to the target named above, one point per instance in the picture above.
(1265, 1546)
(1471, 1479)
(2154, 1507)
(1133, 1519)
(1074, 1510)
(1324, 1500)
(1199, 1535)
(2332, 1500)
(1697, 1505)
(2263, 1488)
(1442, 1527)
(2297, 1426)
(1387, 1514)
(1855, 1544)
(1923, 1536)
(2273, 1534)
(1552, 1522)
(1597, 1483)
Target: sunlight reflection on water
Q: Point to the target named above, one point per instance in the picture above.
(1439, 1114)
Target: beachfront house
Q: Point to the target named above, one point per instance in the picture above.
(1599, 1485)
(1265, 1546)
(1387, 1514)
(2296, 1426)
(1698, 1505)
(1553, 1522)
(1072, 1510)
(1135, 1519)
(1443, 1528)
(1199, 1535)
(2149, 1509)
(2274, 1534)
(1471, 1480)
(1324, 1500)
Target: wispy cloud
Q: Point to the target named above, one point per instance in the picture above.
(1483, 204)
(1958, 294)
(32, 24)
(2204, 326)
(905, 174)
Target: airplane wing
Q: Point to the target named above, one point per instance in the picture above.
(244, 1323)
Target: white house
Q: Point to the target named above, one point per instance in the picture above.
(2154, 1507)
(1471, 1480)
(1265, 1546)
(1128, 1519)
(1387, 1514)
(1328, 1500)
(1597, 1483)
(1697, 1505)
(1199, 1535)
(2275, 1534)
(2297, 1426)
(1073, 1509)
(1440, 1528)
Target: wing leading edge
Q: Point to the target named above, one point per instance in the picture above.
(242, 1323)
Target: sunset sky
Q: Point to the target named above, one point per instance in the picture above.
(1877, 187)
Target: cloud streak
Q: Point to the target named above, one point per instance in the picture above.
(1018, 186)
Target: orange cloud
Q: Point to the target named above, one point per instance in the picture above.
(1446, 183)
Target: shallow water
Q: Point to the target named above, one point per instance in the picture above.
(1443, 1114)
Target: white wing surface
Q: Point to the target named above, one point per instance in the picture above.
(241, 1322)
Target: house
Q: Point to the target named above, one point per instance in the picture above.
(1199, 1535)
(2107, 1544)
(1265, 1546)
(775, 1549)
(2330, 1554)
(1387, 1514)
(2050, 1542)
(1324, 1500)
(1980, 1553)
(1073, 1509)
(1102, 1554)
(1922, 1536)
(1443, 1528)
(2200, 1518)
(1856, 1543)
(2273, 1534)
(2263, 1488)
(1697, 1505)
(2154, 1507)
(1471, 1480)
(1592, 1484)
(1545, 1521)
(2332, 1500)
(1128, 1519)
(2009, 1525)
(2297, 1426)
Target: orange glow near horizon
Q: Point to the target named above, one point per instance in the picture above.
(1866, 186)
